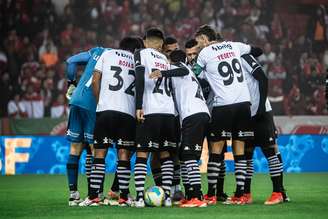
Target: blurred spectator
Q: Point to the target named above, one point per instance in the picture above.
(59, 108)
(268, 57)
(16, 108)
(295, 102)
(36, 39)
(277, 78)
(317, 29)
(49, 57)
(6, 91)
(33, 102)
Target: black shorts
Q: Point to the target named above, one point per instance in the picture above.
(231, 121)
(157, 133)
(114, 127)
(265, 132)
(193, 134)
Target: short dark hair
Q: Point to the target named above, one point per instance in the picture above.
(207, 31)
(140, 41)
(154, 32)
(170, 40)
(178, 56)
(190, 43)
(130, 44)
(219, 36)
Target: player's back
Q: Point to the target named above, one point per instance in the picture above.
(117, 90)
(83, 95)
(188, 94)
(250, 65)
(157, 98)
(222, 66)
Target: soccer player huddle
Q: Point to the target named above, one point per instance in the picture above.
(153, 99)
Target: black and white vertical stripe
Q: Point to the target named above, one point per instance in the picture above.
(184, 173)
(240, 174)
(88, 165)
(97, 176)
(193, 172)
(167, 168)
(140, 172)
(222, 172)
(123, 174)
(250, 169)
(275, 166)
(213, 169)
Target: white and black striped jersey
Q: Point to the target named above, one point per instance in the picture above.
(251, 67)
(188, 93)
(153, 96)
(117, 81)
(221, 67)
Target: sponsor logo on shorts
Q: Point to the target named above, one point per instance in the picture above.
(245, 134)
(105, 140)
(186, 148)
(198, 147)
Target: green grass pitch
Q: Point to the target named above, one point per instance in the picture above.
(45, 196)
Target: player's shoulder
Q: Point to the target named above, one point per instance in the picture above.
(154, 53)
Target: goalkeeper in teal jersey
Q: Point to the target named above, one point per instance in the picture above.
(82, 116)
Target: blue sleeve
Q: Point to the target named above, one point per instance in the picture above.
(73, 61)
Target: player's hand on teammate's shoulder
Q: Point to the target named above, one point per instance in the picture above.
(140, 115)
(155, 74)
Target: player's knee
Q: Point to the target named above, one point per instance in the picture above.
(269, 151)
(164, 154)
(142, 154)
(100, 153)
(123, 154)
(76, 148)
(238, 147)
(217, 147)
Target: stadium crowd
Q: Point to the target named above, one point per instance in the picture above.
(37, 36)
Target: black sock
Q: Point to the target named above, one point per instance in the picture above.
(115, 186)
(220, 184)
(185, 180)
(157, 176)
(194, 178)
(176, 175)
(275, 173)
(213, 169)
(240, 173)
(97, 177)
(167, 169)
(88, 165)
(249, 175)
(123, 175)
(281, 172)
(72, 167)
(140, 173)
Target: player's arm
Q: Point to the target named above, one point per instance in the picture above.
(260, 76)
(96, 77)
(140, 85)
(248, 49)
(176, 72)
(72, 63)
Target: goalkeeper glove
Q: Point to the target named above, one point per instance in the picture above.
(70, 90)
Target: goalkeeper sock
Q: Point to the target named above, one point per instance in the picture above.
(72, 167)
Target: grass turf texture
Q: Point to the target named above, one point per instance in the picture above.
(45, 196)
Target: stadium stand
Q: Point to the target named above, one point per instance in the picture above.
(37, 36)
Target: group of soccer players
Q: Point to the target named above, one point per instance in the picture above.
(151, 98)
